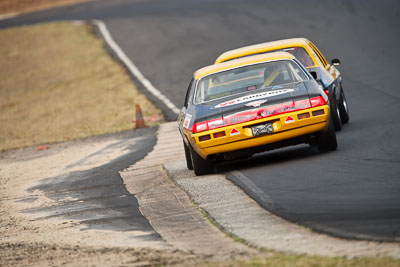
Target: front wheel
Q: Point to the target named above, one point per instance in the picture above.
(201, 166)
(326, 140)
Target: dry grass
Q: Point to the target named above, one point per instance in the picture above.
(58, 83)
(14, 6)
(288, 260)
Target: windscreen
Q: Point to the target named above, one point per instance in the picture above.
(248, 78)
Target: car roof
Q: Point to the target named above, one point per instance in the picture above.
(259, 48)
(241, 62)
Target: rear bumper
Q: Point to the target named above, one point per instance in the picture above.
(240, 136)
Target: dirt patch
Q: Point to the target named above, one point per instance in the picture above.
(14, 6)
(40, 227)
(42, 254)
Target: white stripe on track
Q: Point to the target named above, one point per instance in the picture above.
(9, 16)
(132, 68)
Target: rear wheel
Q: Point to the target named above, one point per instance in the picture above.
(201, 166)
(335, 115)
(189, 164)
(343, 108)
(326, 140)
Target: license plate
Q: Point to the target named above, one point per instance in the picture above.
(262, 129)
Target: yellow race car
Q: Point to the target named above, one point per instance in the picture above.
(310, 56)
(253, 104)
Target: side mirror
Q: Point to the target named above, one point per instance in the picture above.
(316, 76)
(335, 62)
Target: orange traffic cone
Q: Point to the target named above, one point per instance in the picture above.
(42, 147)
(139, 118)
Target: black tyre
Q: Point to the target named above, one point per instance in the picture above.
(335, 114)
(344, 108)
(188, 157)
(201, 166)
(326, 140)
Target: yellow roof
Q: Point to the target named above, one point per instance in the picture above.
(241, 62)
(259, 48)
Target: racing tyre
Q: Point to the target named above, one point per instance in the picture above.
(188, 157)
(335, 114)
(343, 108)
(326, 140)
(200, 166)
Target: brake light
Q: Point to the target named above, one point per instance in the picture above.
(204, 137)
(219, 134)
(317, 101)
(327, 92)
(303, 116)
(318, 112)
(200, 127)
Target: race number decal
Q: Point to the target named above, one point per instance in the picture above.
(254, 97)
(186, 122)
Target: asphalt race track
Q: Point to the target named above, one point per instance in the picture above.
(353, 192)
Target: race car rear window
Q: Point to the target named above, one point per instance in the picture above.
(301, 54)
(298, 52)
(247, 78)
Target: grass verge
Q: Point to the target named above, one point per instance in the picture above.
(17, 6)
(58, 83)
(288, 260)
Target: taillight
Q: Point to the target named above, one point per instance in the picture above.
(318, 112)
(200, 127)
(303, 116)
(208, 125)
(204, 137)
(219, 134)
(317, 101)
(327, 92)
